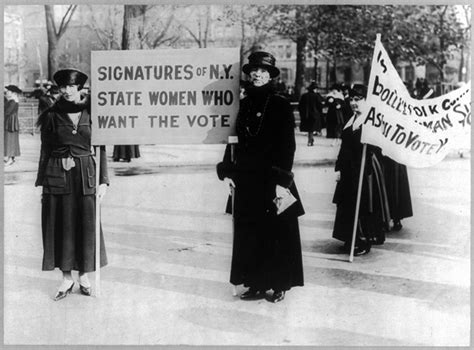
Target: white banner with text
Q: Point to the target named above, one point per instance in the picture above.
(417, 133)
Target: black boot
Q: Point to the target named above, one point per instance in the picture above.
(252, 294)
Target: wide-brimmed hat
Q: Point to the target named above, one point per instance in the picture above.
(261, 59)
(70, 76)
(13, 88)
(358, 90)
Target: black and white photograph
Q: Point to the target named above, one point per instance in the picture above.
(237, 174)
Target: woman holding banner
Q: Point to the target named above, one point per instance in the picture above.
(266, 248)
(66, 172)
(374, 214)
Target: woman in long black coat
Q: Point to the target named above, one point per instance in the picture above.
(266, 249)
(67, 173)
(374, 215)
(310, 110)
(11, 124)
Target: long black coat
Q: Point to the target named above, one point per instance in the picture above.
(11, 128)
(310, 109)
(266, 248)
(68, 203)
(398, 189)
(374, 215)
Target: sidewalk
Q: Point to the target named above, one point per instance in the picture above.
(158, 156)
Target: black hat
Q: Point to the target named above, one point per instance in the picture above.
(13, 88)
(312, 86)
(261, 59)
(70, 76)
(358, 90)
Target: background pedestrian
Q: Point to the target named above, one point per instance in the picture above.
(11, 124)
(310, 110)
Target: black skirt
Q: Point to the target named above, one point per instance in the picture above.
(68, 225)
(267, 253)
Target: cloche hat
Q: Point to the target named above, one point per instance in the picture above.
(261, 59)
(358, 90)
(70, 76)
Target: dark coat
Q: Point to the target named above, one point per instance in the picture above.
(310, 109)
(45, 102)
(11, 135)
(338, 113)
(374, 214)
(68, 203)
(58, 142)
(11, 122)
(398, 189)
(267, 248)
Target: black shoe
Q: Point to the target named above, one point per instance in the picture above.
(397, 226)
(85, 290)
(376, 240)
(252, 294)
(277, 296)
(361, 250)
(62, 294)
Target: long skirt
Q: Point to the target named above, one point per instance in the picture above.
(267, 253)
(68, 224)
(374, 214)
(126, 152)
(11, 143)
(398, 189)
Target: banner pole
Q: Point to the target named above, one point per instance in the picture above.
(233, 140)
(359, 193)
(97, 225)
(362, 166)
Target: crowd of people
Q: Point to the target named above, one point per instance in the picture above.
(264, 200)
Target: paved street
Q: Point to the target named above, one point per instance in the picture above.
(169, 244)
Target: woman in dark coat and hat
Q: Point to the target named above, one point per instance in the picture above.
(66, 171)
(310, 109)
(374, 215)
(266, 248)
(11, 124)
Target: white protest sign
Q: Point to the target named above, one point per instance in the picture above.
(418, 133)
(172, 96)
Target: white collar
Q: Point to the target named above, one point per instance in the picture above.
(350, 123)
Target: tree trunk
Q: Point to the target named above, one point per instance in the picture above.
(300, 64)
(133, 20)
(52, 41)
(315, 73)
(242, 33)
(334, 70)
(461, 65)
